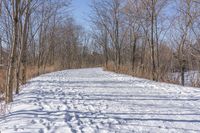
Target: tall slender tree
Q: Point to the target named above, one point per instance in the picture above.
(12, 61)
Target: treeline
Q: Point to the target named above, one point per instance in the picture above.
(148, 38)
(40, 36)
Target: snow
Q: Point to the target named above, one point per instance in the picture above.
(95, 101)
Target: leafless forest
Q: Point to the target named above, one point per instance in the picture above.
(143, 38)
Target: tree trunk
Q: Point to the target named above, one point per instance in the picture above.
(152, 43)
(119, 58)
(106, 55)
(106, 48)
(133, 53)
(157, 43)
(9, 88)
(182, 73)
(24, 44)
(1, 50)
(18, 75)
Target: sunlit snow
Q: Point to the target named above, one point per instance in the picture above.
(96, 101)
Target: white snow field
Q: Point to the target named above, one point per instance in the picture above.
(95, 101)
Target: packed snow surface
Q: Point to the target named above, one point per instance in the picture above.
(95, 101)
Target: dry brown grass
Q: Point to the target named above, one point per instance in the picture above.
(139, 72)
(32, 71)
(2, 90)
(2, 82)
(126, 69)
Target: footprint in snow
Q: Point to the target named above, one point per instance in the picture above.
(68, 117)
(33, 122)
(41, 131)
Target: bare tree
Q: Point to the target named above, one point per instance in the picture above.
(9, 88)
(184, 25)
(110, 15)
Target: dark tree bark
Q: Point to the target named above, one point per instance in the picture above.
(11, 68)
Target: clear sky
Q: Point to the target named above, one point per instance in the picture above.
(81, 11)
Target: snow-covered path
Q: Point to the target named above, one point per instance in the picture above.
(95, 101)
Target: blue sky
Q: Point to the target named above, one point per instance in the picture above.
(81, 11)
